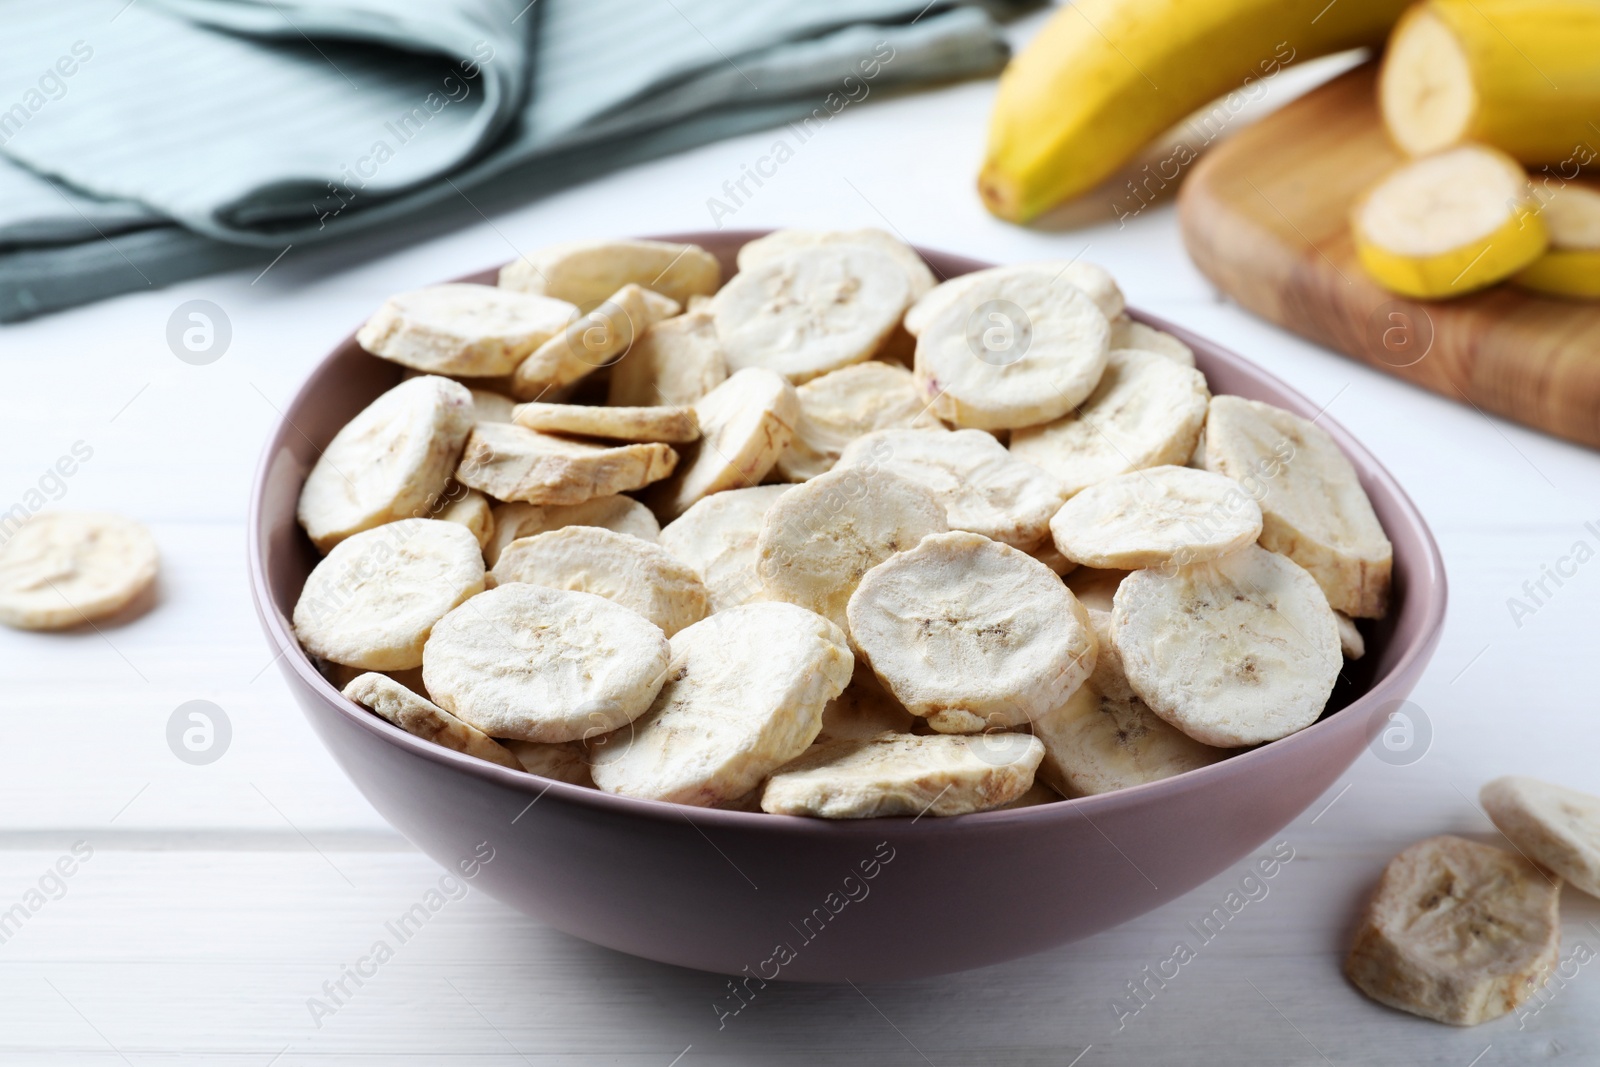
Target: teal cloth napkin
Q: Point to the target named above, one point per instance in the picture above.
(145, 141)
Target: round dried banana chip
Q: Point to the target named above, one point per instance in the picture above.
(417, 715)
(1235, 651)
(812, 311)
(587, 272)
(66, 568)
(745, 424)
(511, 463)
(1126, 333)
(1312, 505)
(536, 664)
(620, 513)
(1163, 516)
(984, 489)
(842, 405)
(588, 342)
(675, 361)
(1147, 411)
(1552, 825)
(898, 774)
(470, 330)
(744, 695)
(1095, 281)
(389, 462)
(717, 537)
(782, 242)
(971, 634)
(637, 574)
(819, 538)
(374, 599)
(671, 424)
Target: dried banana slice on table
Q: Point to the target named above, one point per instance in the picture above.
(615, 512)
(744, 695)
(65, 568)
(717, 537)
(848, 403)
(1150, 518)
(1556, 827)
(587, 272)
(745, 424)
(511, 463)
(417, 715)
(470, 330)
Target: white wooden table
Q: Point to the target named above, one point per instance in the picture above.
(219, 898)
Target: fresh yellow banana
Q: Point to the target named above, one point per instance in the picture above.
(1104, 77)
(1571, 267)
(1521, 75)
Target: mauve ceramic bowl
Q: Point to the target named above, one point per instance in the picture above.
(806, 899)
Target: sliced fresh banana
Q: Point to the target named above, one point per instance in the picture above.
(563, 761)
(620, 513)
(1164, 516)
(1147, 411)
(389, 462)
(1556, 827)
(65, 568)
(745, 424)
(971, 634)
(469, 508)
(1235, 651)
(811, 311)
(744, 695)
(865, 709)
(842, 405)
(782, 242)
(1127, 333)
(1571, 266)
(511, 463)
(819, 538)
(536, 664)
(417, 715)
(373, 600)
(1312, 505)
(1351, 643)
(490, 406)
(717, 537)
(984, 489)
(1095, 281)
(1013, 350)
(587, 272)
(470, 330)
(1448, 224)
(637, 574)
(672, 424)
(589, 341)
(675, 362)
(898, 774)
(1457, 932)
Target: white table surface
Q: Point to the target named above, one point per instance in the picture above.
(219, 898)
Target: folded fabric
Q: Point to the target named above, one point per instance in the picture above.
(151, 141)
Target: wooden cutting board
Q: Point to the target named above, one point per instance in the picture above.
(1264, 216)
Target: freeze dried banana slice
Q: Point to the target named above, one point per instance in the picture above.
(675, 362)
(898, 774)
(389, 462)
(417, 715)
(1013, 351)
(536, 664)
(1457, 931)
(1235, 651)
(812, 311)
(745, 424)
(971, 634)
(375, 598)
(620, 513)
(1105, 738)
(587, 272)
(65, 568)
(472, 330)
(490, 406)
(1556, 827)
(783, 242)
(984, 489)
(672, 424)
(1146, 412)
(469, 508)
(1312, 505)
(589, 341)
(563, 761)
(820, 538)
(865, 709)
(744, 695)
(632, 572)
(842, 405)
(1150, 518)
(1126, 333)
(511, 463)
(1095, 281)
(717, 537)
(1351, 643)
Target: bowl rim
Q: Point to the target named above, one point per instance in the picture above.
(1427, 578)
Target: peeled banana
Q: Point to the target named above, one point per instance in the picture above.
(1105, 77)
(1571, 267)
(1521, 75)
